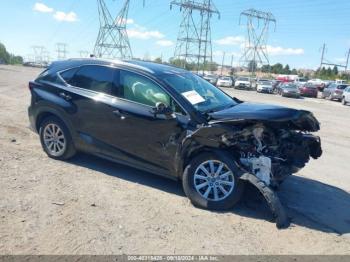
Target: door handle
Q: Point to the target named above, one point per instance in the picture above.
(119, 113)
(65, 96)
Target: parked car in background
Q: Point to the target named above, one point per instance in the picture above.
(225, 81)
(264, 86)
(318, 83)
(212, 79)
(243, 83)
(340, 82)
(308, 89)
(346, 96)
(334, 92)
(289, 90)
(300, 81)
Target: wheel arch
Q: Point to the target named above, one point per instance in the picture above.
(46, 112)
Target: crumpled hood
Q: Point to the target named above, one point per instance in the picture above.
(298, 119)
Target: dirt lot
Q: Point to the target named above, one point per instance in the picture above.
(92, 206)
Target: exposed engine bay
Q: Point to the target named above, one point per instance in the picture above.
(273, 154)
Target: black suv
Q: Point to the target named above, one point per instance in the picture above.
(170, 122)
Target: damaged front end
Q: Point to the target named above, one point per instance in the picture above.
(267, 150)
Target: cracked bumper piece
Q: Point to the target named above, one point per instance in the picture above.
(272, 199)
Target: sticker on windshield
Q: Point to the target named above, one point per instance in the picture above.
(193, 97)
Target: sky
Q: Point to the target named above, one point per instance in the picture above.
(302, 28)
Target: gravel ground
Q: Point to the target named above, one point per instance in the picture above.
(92, 206)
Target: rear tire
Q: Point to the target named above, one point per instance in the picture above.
(56, 139)
(217, 188)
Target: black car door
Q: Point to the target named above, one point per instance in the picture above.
(148, 138)
(92, 92)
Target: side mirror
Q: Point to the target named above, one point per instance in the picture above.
(163, 109)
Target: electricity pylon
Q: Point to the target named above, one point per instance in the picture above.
(61, 49)
(324, 61)
(84, 53)
(113, 41)
(194, 39)
(39, 53)
(258, 25)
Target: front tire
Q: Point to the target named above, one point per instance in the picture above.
(343, 101)
(211, 181)
(55, 139)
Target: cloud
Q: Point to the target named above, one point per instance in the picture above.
(230, 40)
(139, 34)
(128, 21)
(280, 51)
(42, 8)
(165, 43)
(66, 17)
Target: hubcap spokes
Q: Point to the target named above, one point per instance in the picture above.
(54, 139)
(213, 180)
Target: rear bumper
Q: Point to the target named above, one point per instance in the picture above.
(31, 117)
(265, 90)
(337, 96)
(295, 95)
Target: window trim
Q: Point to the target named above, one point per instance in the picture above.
(116, 97)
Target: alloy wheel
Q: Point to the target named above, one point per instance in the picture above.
(213, 180)
(54, 140)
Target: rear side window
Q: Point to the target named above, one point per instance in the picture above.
(96, 78)
(69, 74)
(49, 76)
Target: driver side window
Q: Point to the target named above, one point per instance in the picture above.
(142, 90)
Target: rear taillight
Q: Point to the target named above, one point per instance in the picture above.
(30, 86)
(338, 91)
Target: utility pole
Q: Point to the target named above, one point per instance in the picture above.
(222, 63)
(322, 56)
(112, 40)
(258, 25)
(347, 60)
(61, 49)
(193, 45)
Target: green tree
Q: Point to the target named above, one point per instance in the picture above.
(335, 70)
(286, 70)
(158, 60)
(7, 58)
(252, 66)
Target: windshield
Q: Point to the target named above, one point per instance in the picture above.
(243, 79)
(342, 87)
(265, 82)
(201, 94)
(225, 78)
(290, 86)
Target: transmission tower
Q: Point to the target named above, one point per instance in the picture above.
(61, 49)
(112, 40)
(39, 52)
(194, 39)
(84, 53)
(324, 61)
(258, 25)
